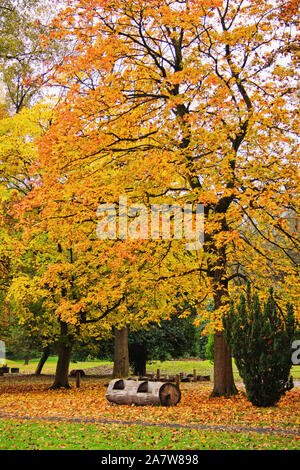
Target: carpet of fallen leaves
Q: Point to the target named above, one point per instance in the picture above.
(31, 397)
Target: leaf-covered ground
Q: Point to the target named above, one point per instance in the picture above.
(30, 397)
(34, 417)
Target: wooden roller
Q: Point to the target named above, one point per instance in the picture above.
(127, 392)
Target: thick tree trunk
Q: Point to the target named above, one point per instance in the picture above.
(26, 360)
(138, 358)
(46, 353)
(223, 374)
(121, 355)
(64, 357)
(140, 367)
(62, 368)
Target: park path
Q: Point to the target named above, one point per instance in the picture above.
(200, 427)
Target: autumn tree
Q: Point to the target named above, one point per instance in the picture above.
(85, 289)
(179, 102)
(21, 63)
(25, 321)
(70, 275)
(290, 11)
(19, 49)
(24, 64)
(16, 155)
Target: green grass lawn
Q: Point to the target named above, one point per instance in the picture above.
(37, 435)
(50, 365)
(170, 367)
(166, 367)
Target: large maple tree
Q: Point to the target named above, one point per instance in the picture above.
(175, 102)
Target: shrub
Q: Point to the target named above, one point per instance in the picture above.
(260, 339)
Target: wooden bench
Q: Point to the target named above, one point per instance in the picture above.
(127, 392)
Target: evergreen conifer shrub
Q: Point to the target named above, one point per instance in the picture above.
(260, 339)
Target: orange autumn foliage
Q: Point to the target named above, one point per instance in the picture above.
(168, 102)
(195, 408)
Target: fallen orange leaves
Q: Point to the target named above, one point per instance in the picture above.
(196, 407)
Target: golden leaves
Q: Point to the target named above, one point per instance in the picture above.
(165, 103)
(195, 407)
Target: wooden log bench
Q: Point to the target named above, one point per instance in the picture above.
(128, 392)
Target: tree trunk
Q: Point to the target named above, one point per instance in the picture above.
(26, 360)
(64, 357)
(138, 356)
(46, 353)
(140, 366)
(121, 355)
(62, 368)
(223, 374)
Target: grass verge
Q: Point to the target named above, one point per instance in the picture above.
(37, 435)
(170, 367)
